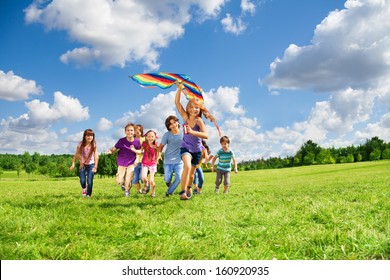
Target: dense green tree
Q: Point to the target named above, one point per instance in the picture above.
(375, 154)
(386, 153)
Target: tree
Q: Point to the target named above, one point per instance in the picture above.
(386, 153)
(325, 157)
(375, 155)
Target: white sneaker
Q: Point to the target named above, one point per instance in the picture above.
(127, 193)
(216, 190)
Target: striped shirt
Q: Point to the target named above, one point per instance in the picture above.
(225, 160)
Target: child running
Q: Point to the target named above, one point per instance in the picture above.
(139, 134)
(191, 145)
(149, 161)
(127, 146)
(86, 154)
(224, 167)
(172, 160)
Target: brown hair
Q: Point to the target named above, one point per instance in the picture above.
(224, 139)
(168, 121)
(84, 143)
(147, 147)
(141, 128)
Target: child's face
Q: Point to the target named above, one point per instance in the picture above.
(89, 138)
(151, 137)
(193, 109)
(129, 131)
(137, 132)
(174, 125)
(225, 146)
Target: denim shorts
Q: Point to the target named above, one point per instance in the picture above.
(195, 157)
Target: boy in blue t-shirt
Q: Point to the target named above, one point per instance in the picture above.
(225, 156)
(172, 159)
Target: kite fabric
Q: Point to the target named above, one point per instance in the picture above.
(165, 80)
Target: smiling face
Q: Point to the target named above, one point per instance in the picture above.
(129, 131)
(150, 136)
(194, 108)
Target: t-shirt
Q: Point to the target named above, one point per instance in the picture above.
(149, 157)
(126, 156)
(172, 143)
(225, 160)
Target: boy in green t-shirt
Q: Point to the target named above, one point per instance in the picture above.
(224, 167)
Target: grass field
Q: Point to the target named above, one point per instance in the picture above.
(329, 212)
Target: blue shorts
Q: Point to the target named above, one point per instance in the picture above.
(195, 157)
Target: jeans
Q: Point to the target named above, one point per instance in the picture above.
(86, 178)
(169, 169)
(137, 173)
(199, 177)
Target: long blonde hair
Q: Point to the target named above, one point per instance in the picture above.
(203, 110)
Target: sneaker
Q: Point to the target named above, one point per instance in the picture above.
(184, 197)
(127, 193)
(226, 192)
(84, 192)
(195, 191)
(168, 194)
(168, 184)
(153, 195)
(216, 190)
(123, 188)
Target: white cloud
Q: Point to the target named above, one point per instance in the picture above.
(248, 7)
(349, 58)
(104, 124)
(14, 88)
(41, 115)
(119, 32)
(232, 25)
(350, 48)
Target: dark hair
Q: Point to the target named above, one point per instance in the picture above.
(129, 124)
(206, 146)
(141, 128)
(168, 121)
(224, 139)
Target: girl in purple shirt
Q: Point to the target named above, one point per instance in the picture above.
(191, 146)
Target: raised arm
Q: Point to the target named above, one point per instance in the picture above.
(180, 107)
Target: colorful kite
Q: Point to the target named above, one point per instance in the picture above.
(165, 80)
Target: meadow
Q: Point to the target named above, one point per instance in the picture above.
(327, 212)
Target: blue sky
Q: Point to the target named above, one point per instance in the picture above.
(275, 73)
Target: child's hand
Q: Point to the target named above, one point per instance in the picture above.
(108, 152)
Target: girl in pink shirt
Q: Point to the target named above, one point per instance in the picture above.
(86, 154)
(150, 158)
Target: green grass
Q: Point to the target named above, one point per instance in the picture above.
(330, 212)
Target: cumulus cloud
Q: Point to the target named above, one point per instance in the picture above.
(119, 32)
(41, 115)
(104, 124)
(15, 88)
(349, 59)
(350, 48)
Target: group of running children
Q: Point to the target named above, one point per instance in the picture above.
(139, 154)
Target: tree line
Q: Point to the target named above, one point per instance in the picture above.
(310, 153)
